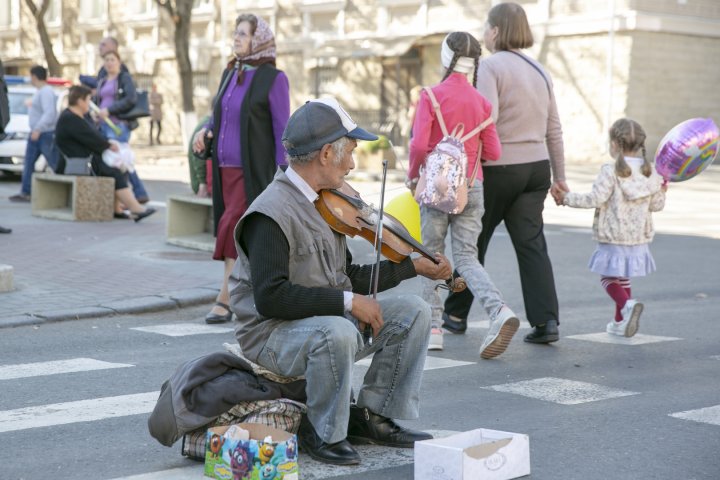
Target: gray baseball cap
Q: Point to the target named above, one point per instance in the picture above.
(319, 122)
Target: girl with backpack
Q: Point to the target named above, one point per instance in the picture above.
(455, 103)
(624, 195)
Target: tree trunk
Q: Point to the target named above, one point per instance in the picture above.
(55, 68)
(180, 12)
(182, 54)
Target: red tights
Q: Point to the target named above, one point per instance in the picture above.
(619, 290)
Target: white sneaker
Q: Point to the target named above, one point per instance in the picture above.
(436, 339)
(631, 320)
(613, 328)
(500, 333)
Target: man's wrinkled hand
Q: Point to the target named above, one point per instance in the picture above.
(368, 312)
(427, 268)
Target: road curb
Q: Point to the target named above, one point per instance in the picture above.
(151, 303)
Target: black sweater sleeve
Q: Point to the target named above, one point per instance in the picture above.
(268, 251)
(275, 295)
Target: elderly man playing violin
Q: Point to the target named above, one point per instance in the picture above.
(301, 304)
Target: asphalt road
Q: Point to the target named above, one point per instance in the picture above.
(593, 410)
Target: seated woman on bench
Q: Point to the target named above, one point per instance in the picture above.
(75, 137)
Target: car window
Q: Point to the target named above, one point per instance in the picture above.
(19, 102)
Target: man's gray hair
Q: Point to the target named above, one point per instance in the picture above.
(338, 147)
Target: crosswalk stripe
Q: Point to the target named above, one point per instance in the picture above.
(709, 415)
(560, 390)
(183, 329)
(638, 339)
(431, 363)
(24, 370)
(79, 411)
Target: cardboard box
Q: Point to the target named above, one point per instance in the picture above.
(253, 459)
(479, 454)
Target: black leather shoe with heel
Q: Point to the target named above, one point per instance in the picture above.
(339, 453)
(368, 427)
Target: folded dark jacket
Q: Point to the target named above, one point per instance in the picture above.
(202, 389)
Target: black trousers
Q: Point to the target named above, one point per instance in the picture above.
(516, 194)
(159, 130)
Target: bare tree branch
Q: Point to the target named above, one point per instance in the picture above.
(54, 66)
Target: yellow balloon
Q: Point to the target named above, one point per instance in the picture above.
(407, 211)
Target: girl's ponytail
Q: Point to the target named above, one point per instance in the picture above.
(629, 136)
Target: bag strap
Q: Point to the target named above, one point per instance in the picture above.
(438, 113)
(537, 69)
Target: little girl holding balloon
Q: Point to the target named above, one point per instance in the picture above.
(624, 195)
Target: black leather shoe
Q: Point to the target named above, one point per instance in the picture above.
(368, 427)
(546, 333)
(454, 326)
(339, 453)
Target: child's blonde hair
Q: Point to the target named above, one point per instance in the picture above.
(629, 137)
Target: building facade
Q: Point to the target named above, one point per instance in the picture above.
(652, 60)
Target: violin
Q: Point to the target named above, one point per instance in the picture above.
(345, 212)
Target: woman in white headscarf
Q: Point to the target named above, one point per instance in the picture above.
(441, 109)
(251, 110)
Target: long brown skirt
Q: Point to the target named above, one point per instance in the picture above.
(233, 190)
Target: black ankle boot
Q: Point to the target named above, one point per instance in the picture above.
(368, 427)
(546, 333)
(339, 453)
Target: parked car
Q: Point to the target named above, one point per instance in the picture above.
(17, 131)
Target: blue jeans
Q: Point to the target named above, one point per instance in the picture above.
(44, 145)
(124, 137)
(324, 349)
(465, 228)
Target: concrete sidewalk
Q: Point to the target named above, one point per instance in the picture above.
(68, 270)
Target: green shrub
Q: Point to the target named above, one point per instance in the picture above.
(382, 143)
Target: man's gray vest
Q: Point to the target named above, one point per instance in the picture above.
(317, 258)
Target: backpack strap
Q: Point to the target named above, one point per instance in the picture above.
(438, 113)
(477, 129)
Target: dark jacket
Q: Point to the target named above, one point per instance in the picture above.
(256, 138)
(4, 101)
(204, 388)
(76, 137)
(125, 95)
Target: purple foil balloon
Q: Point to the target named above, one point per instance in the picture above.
(688, 149)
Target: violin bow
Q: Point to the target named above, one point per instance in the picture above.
(375, 272)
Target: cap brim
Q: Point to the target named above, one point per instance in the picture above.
(361, 134)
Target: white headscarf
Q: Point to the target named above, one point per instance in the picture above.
(463, 64)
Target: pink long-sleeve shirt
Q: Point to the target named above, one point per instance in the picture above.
(459, 103)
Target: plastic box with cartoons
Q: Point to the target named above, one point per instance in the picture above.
(255, 458)
(480, 454)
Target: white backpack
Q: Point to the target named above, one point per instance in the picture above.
(443, 183)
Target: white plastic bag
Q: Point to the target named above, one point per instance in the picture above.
(123, 159)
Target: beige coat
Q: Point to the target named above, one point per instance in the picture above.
(623, 206)
(156, 100)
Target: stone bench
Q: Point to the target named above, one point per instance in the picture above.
(74, 198)
(190, 222)
(6, 278)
